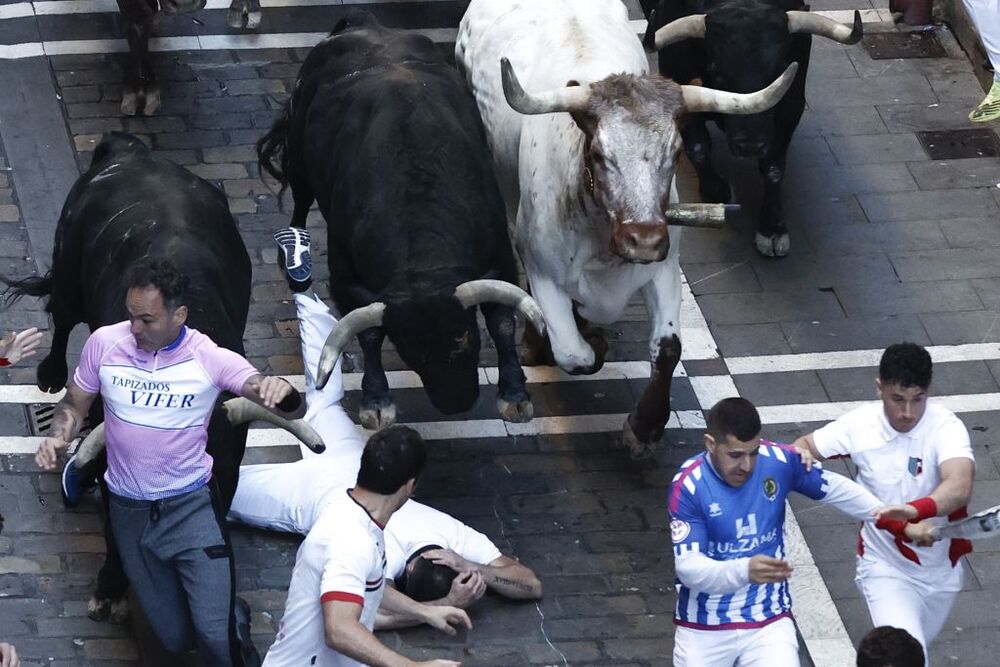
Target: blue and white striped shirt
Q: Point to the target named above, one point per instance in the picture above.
(710, 517)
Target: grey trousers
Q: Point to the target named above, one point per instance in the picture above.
(178, 559)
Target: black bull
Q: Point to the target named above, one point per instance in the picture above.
(746, 44)
(140, 90)
(123, 208)
(384, 134)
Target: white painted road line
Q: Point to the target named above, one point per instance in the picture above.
(443, 430)
(816, 361)
(242, 41)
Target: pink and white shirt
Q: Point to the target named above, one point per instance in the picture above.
(157, 406)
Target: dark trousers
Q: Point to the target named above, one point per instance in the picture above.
(177, 556)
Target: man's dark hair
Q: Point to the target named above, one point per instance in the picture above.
(428, 580)
(905, 364)
(392, 457)
(164, 276)
(733, 416)
(886, 646)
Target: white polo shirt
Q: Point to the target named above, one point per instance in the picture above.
(899, 467)
(342, 558)
(415, 525)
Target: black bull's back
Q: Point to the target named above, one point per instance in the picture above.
(384, 134)
(390, 141)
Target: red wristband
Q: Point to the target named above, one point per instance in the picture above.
(897, 528)
(4, 362)
(926, 508)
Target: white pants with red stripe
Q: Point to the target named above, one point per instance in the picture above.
(906, 603)
(774, 645)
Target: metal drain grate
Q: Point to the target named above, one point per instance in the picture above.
(885, 45)
(957, 144)
(40, 418)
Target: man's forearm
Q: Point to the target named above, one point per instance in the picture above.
(707, 575)
(849, 497)
(955, 488)
(399, 604)
(355, 641)
(66, 420)
(513, 581)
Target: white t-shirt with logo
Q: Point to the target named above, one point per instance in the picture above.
(897, 468)
(415, 525)
(342, 558)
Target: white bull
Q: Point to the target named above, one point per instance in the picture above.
(588, 191)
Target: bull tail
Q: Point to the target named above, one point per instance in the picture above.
(33, 286)
(272, 149)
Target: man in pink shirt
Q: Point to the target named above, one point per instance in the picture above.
(159, 381)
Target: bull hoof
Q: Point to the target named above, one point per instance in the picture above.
(377, 418)
(151, 102)
(115, 611)
(599, 343)
(52, 375)
(242, 19)
(130, 103)
(637, 449)
(517, 412)
(119, 612)
(776, 245)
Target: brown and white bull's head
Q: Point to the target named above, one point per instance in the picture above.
(631, 145)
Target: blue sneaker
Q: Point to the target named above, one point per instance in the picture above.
(296, 258)
(72, 484)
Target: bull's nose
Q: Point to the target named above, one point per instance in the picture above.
(640, 243)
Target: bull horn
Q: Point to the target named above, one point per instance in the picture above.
(687, 27)
(348, 327)
(474, 292)
(709, 100)
(569, 98)
(814, 24)
(242, 410)
(90, 447)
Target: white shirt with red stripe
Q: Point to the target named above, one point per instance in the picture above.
(342, 558)
(897, 468)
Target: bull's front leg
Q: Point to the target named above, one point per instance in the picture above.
(140, 83)
(772, 234)
(644, 427)
(377, 409)
(712, 188)
(513, 401)
(244, 14)
(571, 351)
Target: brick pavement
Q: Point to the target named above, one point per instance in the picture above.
(866, 207)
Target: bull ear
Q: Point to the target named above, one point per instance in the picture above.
(582, 119)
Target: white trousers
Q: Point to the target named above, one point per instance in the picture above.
(774, 645)
(985, 14)
(907, 604)
(289, 496)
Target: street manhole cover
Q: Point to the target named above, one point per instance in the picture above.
(885, 45)
(40, 418)
(957, 144)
